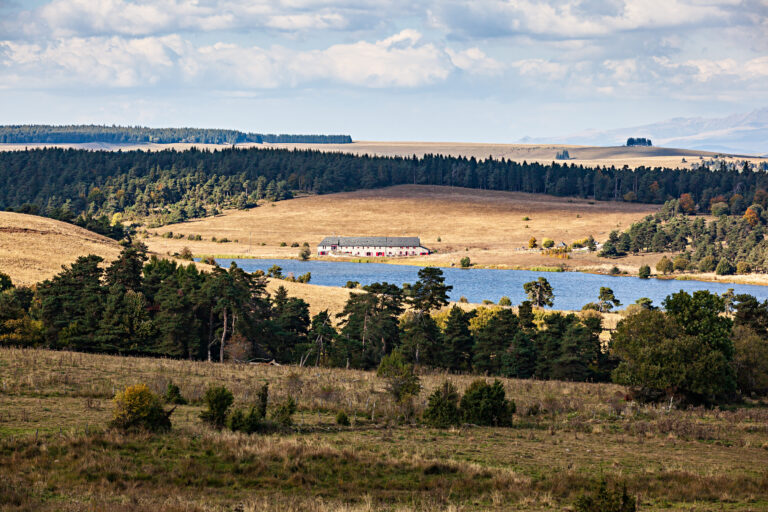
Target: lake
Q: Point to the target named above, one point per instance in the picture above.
(572, 289)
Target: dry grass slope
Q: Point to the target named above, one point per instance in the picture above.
(487, 226)
(35, 248)
(54, 451)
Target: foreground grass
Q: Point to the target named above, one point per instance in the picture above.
(55, 453)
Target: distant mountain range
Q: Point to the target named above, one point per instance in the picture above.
(739, 133)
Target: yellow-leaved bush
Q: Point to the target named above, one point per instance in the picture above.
(138, 407)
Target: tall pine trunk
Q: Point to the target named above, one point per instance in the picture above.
(223, 337)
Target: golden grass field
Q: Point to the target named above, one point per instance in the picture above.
(56, 454)
(34, 248)
(618, 156)
(487, 226)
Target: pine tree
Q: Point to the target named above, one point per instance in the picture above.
(71, 305)
(458, 341)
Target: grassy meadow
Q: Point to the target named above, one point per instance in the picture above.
(491, 227)
(57, 454)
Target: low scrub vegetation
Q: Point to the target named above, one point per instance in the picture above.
(566, 438)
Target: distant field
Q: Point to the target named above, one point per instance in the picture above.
(618, 156)
(487, 226)
(55, 452)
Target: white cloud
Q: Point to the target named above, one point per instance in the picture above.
(401, 60)
(474, 60)
(541, 68)
(87, 18)
(114, 61)
(576, 19)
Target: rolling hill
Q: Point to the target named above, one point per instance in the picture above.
(491, 227)
(34, 248)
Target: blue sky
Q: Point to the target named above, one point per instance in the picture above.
(447, 70)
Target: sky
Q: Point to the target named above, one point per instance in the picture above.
(431, 70)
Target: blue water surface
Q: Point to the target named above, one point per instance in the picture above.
(572, 289)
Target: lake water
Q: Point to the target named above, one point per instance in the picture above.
(572, 289)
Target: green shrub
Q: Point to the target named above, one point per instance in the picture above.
(263, 397)
(465, 262)
(742, 267)
(724, 268)
(707, 264)
(217, 399)
(5, 282)
(294, 244)
(283, 413)
(352, 284)
(283, 244)
(720, 208)
(665, 265)
(249, 423)
(304, 253)
(602, 499)
(138, 407)
(442, 409)
(505, 301)
(486, 404)
(548, 243)
(402, 382)
(644, 272)
(681, 263)
(173, 395)
(342, 419)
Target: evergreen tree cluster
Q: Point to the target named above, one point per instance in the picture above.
(159, 308)
(700, 347)
(156, 308)
(73, 134)
(738, 241)
(638, 141)
(171, 186)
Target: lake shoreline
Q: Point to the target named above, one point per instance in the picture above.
(741, 279)
(572, 289)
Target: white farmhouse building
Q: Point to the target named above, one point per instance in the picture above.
(371, 246)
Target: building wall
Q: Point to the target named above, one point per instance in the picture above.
(366, 251)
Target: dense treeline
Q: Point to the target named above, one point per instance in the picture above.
(174, 185)
(729, 244)
(163, 309)
(70, 134)
(639, 141)
(691, 349)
